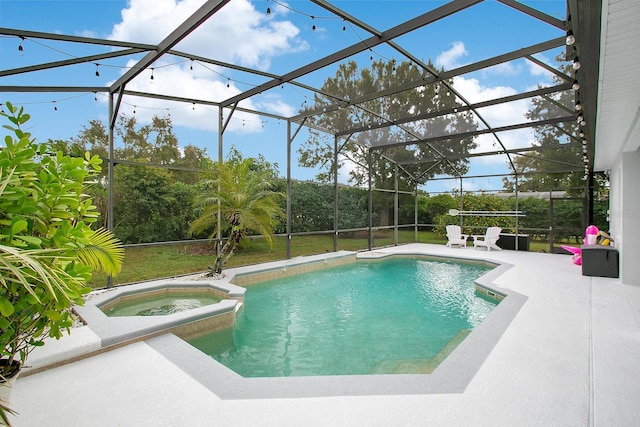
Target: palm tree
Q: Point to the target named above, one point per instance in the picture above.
(243, 195)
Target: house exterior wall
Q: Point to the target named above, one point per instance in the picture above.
(625, 214)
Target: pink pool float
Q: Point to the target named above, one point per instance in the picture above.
(590, 238)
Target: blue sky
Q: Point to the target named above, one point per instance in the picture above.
(242, 33)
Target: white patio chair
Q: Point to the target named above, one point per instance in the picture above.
(455, 236)
(488, 240)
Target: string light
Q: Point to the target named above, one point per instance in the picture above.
(268, 11)
(152, 74)
(570, 38)
(20, 48)
(134, 109)
(191, 65)
(228, 82)
(313, 27)
(578, 106)
(97, 72)
(55, 107)
(576, 85)
(576, 63)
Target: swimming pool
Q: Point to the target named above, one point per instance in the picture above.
(397, 315)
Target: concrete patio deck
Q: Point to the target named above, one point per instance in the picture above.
(568, 358)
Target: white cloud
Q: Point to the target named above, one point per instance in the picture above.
(237, 34)
(274, 104)
(504, 69)
(179, 80)
(474, 92)
(449, 58)
(496, 116)
(87, 33)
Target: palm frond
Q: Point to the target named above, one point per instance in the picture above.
(104, 252)
(36, 266)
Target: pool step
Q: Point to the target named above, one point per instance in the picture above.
(419, 366)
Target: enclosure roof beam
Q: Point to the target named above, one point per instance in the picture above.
(52, 89)
(558, 23)
(408, 26)
(194, 21)
(74, 61)
(495, 153)
(549, 68)
(74, 39)
(478, 132)
(391, 43)
(498, 175)
(169, 98)
(557, 162)
(445, 75)
(463, 108)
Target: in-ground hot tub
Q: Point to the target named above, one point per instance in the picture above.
(181, 307)
(162, 302)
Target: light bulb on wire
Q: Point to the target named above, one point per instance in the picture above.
(576, 63)
(570, 41)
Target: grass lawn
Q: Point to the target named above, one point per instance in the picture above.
(155, 262)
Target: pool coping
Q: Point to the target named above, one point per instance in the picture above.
(453, 375)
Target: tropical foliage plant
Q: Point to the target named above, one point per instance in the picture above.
(48, 249)
(242, 192)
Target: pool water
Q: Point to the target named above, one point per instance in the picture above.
(160, 304)
(398, 315)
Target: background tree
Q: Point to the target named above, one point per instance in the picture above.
(430, 207)
(539, 167)
(350, 82)
(312, 207)
(152, 204)
(475, 224)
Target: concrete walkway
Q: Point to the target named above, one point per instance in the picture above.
(569, 358)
